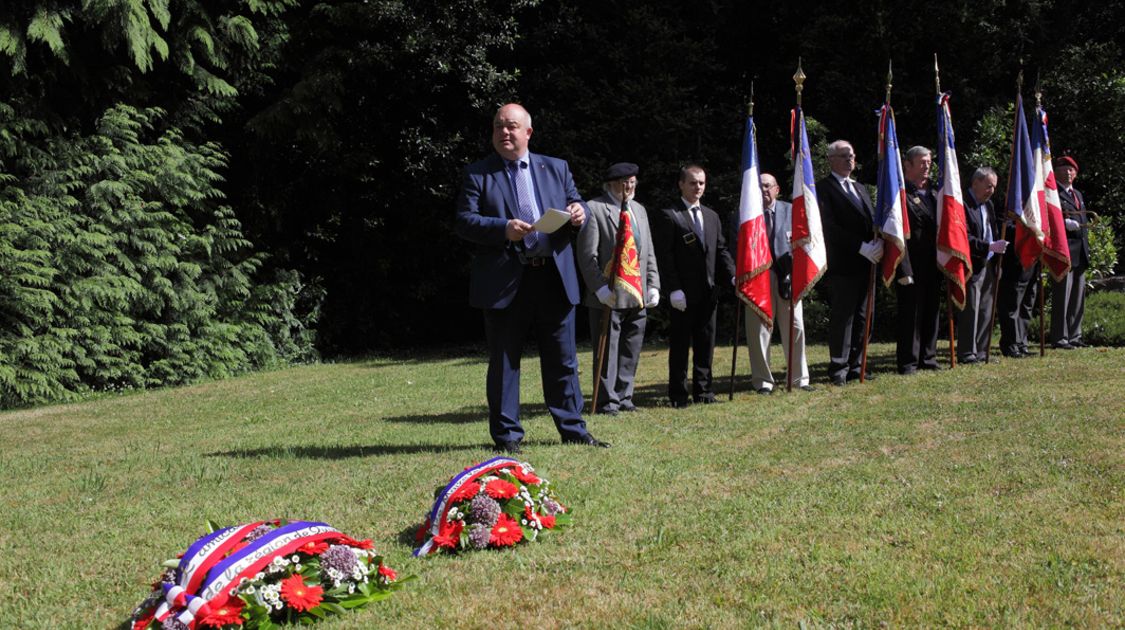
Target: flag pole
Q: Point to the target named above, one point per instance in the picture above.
(737, 297)
(1003, 237)
(1040, 278)
(948, 283)
(607, 314)
(871, 281)
(799, 80)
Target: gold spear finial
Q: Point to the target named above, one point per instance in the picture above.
(890, 75)
(1038, 92)
(750, 107)
(799, 79)
(937, 76)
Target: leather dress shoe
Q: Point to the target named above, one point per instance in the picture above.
(765, 391)
(628, 408)
(679, 404)
(839, 381)
(967, 360)
(908, 370)
(588, 440)
(607, 411)
(1078, 344)
(1062, 345)
(511, 448)
(931, 367)
(855, 377)
(808, 388)
(705, 400)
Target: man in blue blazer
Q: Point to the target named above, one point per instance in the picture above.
(525, 280)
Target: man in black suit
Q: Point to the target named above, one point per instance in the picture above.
(525, 281)
(1068, 298)
(694, 263)
(983, 229)
(919, 280)
(847, 217)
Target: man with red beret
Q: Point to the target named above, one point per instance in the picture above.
(1068, 297)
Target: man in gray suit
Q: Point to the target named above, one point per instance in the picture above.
(779, 220)
(596, 246)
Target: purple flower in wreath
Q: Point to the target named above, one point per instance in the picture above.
(479, 535)
(339, 557)
(484, 510)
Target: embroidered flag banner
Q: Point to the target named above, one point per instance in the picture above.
(952, 233)
(626, 283)
(1024, 187)
(890, 206)
(753, 253)
(1056, 251)
(810, 257)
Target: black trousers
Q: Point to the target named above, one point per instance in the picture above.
(846, 319)
(1015, 304)
(695, 329)
(916, 330)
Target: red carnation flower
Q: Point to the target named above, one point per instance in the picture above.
(313, 547)
(225, 615)
(143, 622)
(366, 543)
(525, 477)
(548, 521)
(506, 532)
(500, 489)
(388, 573)
(465, 492)
(450, 534)
(298, 595)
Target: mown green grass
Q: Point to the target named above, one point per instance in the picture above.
(982, 496)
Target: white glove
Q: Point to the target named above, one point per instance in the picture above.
(653, 298)
(1071, 225)
(605, 296)
(906, 281)
(872, 250)
(998, 247)
(678, 300)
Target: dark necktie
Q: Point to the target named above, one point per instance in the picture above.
(524, 204)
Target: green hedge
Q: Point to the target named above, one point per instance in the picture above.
(1103, 324)
(122, 268)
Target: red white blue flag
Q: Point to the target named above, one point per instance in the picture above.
(1056, 251)
(952, 233)
(1024, 188)
(890, 203)
(810, 257)
(752, 277)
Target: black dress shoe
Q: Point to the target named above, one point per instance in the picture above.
(1015, 354)
(855, 377)
(934, 367)
(908, 370)
(967, 360)
(765, 391)
(511, 448)
(1062, 345)
(705, 400)
(629, 408)
(679, 404)
(588, 440)
(808, 388)
(607, 411)
(839, 381)
(1078, 344)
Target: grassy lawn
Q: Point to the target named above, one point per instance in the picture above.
(982, 496)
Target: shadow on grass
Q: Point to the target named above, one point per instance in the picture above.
(474, 413)
(343, 452)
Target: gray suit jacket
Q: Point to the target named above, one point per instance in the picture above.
(597, 241)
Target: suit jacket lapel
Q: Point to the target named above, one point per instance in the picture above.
(500, 181)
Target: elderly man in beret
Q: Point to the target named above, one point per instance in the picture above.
(1068, 297)
(625, 306)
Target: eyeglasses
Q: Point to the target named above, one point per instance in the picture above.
(849, 156)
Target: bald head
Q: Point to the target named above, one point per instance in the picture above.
(511, 131)
(769, 189)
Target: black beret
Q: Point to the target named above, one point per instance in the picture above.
(621, 170)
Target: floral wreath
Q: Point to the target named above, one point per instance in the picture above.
(495, 504)
(265, 573)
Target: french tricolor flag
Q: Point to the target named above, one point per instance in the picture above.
(1025, 188)
(952, 234)
(810, 257)
(890, 206)
(754, 260)
(1056, 251)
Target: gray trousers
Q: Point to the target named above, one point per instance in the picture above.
(1068, 303)
(622, 350)
(973, 321)
(758, 342)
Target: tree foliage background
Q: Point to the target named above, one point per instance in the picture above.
(190, 188)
